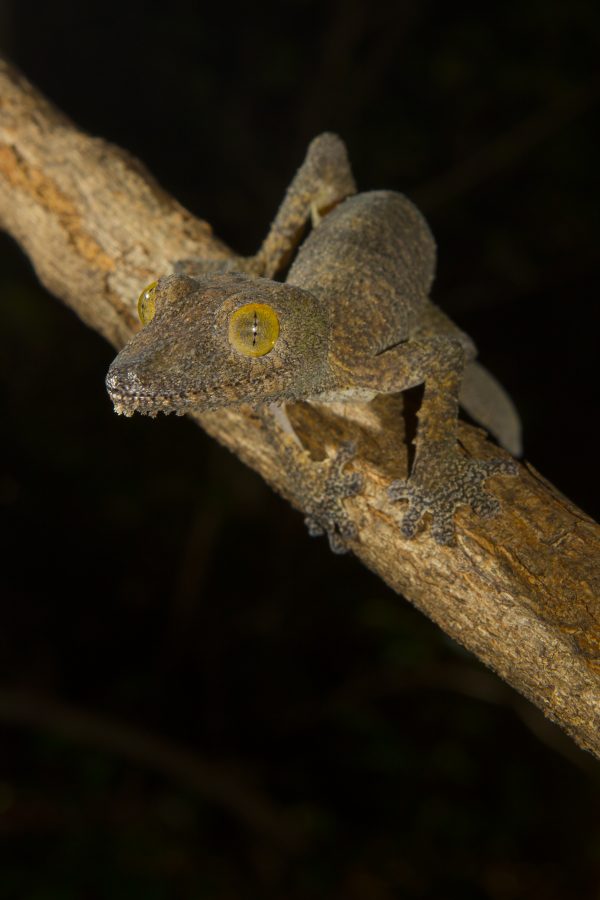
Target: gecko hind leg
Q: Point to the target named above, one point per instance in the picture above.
(442, 476)
(460, 481)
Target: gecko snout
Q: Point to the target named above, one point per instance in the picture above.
(119, 386)
(130, 392)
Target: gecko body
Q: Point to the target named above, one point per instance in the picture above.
(352, 320)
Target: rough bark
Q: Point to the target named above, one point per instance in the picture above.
(520, 590)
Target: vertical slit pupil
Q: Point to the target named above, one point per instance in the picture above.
(254, 329)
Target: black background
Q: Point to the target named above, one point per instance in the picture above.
(149, 579)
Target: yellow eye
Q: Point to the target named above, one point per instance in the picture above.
(146, 305)
(253, 329)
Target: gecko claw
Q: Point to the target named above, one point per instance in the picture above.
(338, 533)
(313, 527)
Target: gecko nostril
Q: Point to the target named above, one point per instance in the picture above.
(120, 380)
(112, 380)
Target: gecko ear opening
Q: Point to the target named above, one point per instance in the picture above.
(254, 329)
(146, 305)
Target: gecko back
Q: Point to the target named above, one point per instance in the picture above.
(373, 257)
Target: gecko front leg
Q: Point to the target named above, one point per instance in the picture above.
(326, 486)
(319, 487)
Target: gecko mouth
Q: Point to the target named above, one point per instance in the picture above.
(128, 404)
(130, 395)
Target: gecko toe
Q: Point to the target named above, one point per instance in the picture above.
(398, 490)
(442, 530)
(411, 519)
(491, 509)
(498, 467)
(336, 543)
(345, 453)
(485, 505)
(404, 490)
(315, 529)
(353, 484)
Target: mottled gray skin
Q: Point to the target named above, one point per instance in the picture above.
(355, 321)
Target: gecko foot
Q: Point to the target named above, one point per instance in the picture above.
(446, 483)
(324, 488)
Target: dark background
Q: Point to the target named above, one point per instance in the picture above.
(150, 581)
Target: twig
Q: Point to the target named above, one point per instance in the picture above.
(217, 784)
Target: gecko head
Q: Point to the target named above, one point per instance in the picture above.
(221, 340)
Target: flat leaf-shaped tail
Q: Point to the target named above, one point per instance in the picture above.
(487, 402)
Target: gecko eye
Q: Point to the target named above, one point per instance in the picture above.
(253, 329)
(146, 305)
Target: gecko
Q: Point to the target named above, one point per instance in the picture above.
(342, 314)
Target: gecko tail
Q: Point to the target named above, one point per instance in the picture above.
(487, 402)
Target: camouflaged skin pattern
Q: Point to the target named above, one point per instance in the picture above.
(355, 320)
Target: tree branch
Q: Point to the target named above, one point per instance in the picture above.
(222, 785)
(521, 591)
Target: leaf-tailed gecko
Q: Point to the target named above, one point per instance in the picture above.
(352, 320)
